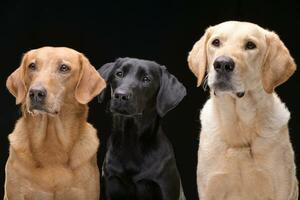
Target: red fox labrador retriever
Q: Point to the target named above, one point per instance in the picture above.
(245, 152)
(53, 148)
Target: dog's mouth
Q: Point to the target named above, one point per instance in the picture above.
(240, 94)
(221, 87)
(37, 109)
(124, 112)
(128, 109)
(237, 94)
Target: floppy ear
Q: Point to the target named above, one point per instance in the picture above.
(90, 82)
(197, 59)
(105, 71)
(171, 92)
(279, 64)
(15, 82)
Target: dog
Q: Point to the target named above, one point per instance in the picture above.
(140, 162)
(52, 147)
(244, 151)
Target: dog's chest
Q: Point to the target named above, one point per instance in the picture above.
(49, 167)
(43, 178)
(124, 161)
(132, 163)
(51, 153)
(241, 154)
(237, 175)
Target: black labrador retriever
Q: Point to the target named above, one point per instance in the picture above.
(140, 163)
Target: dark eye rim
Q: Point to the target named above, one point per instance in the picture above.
(64, 68)
(250, 45)
(119, 74)
(216, 42)
(32, 66)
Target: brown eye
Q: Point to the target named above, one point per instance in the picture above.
(64, 68)
(250, 45)
(216, 42)
(119, 74)
(146, 79)
(32, 66)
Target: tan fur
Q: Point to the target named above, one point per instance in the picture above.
(53, 154)
(245, 151)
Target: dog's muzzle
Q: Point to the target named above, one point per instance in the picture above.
(224, 67)
(122, 102)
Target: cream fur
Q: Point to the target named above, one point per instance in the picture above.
(245, 151)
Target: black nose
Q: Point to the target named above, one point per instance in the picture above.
(122, 95)
(224, 64)
(38, 95)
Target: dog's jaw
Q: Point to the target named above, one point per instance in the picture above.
(41, 111)
(232, 93)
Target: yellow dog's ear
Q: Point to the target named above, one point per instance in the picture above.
(278, 65)
(15, 82)
(197, 59)
(90, 83)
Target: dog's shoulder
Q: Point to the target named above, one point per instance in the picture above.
(86, 146)
(207, 113)
(18, 139)
(280, 113)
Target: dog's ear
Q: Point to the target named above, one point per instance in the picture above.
(197, 59)
(278, 65)
(90, 82)
(15, 82)
(171, 92)
(105, 71)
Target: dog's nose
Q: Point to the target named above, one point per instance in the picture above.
(122, 95)
(38, 95)
(224, 64)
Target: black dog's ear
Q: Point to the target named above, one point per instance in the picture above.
(171, 92)
(105, 71)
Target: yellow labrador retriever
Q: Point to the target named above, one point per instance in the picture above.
(245, 151)
(53, 148)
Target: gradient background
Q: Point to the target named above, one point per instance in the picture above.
(155, 30)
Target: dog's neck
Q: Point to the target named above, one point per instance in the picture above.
(134, 131)
(61, 129)
(242, 120)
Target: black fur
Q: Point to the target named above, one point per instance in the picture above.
(140, 163)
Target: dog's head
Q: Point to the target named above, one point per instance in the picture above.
(138, 85)
(240, 57)
(51, 77)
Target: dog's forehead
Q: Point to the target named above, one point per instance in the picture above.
(53, 53)
(141, 66)
(238, 30)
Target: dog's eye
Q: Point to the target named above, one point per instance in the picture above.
(146, 79)
(250, 45)
(64, 68)
(119, 74)
(32, 66)
(216, 42)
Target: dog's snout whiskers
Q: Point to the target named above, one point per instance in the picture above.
(205, 83)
